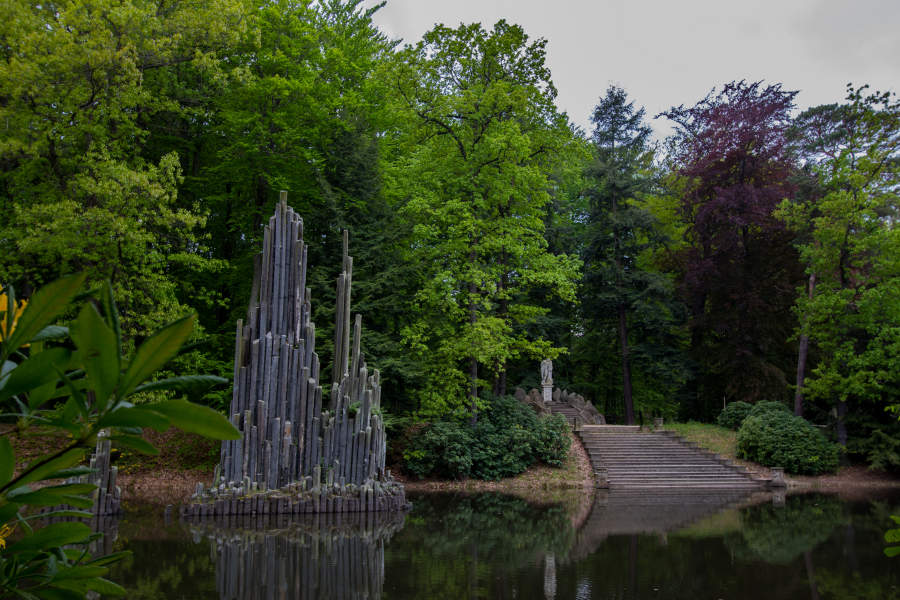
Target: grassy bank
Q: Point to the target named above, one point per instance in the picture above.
(723, 442)
(720, 440)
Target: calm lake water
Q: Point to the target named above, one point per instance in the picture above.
(621, 546)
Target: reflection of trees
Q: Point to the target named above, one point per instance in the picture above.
(168, 568)
(505, 528)
(780, 535)
(481, 546)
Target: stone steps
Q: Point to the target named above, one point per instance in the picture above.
(658, 461)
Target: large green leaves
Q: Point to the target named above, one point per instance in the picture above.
(47, 468)
(56, 534)
(37, 371)
(98, 351)
(44, 306)
(199, 419)
(73, 494)
(156, 352)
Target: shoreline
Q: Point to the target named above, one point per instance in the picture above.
(571, 484)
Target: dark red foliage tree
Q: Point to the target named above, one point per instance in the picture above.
(739, 271)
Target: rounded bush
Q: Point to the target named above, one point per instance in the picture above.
(779, 439)
(734, 414)
(768, 406)
(507, 439)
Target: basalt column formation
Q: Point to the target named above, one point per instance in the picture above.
(107, 496)
(300, 450)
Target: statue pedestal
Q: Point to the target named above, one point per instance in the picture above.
(547, 390)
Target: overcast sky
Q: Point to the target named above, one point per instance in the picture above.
(668, 52)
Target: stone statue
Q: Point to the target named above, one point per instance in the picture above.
(546, 371)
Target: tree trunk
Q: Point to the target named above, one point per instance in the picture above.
(473, 394)
(473, 364)
(473, 361)
(802, 353)
(626, 367)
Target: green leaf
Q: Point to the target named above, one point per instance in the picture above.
(112, 313)
(38, 370)
(135, 443)
(111, 558)
(80, 514)
(892, 551)
(187, 384)
(7, 461)
(156, 352)
(98, 352)
(135, 417)
(43, 394)
(8, 512)
(51, 332)
(55, 534)
(44, 306)
(50, 593)
(64, 590)
(106, 587)
(69, 493)
(195, 418)
(81, 572)
(73, 472)
(77, 402)
(50, 469)
(892, 536)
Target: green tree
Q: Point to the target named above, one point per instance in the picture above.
(298, 105)
(619, 293)
(473, 180)
(75, 192)
(852, 253)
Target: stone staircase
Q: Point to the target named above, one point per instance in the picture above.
(569, 412)
(659, 461)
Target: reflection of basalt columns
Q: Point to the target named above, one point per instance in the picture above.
(291, 441)
(326, 556)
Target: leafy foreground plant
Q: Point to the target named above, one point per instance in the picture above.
(74, 382)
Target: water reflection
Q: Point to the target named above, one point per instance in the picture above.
(644, 512)
(327, 555)
(490, 546)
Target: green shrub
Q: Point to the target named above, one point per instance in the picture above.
(761, 408)
(507, 439)
(442, 449)
(779, 439)
(734, 414)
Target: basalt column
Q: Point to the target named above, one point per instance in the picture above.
(298, 447)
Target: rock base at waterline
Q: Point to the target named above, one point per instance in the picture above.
(293, 500)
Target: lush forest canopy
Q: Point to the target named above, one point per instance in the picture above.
(751, 256)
